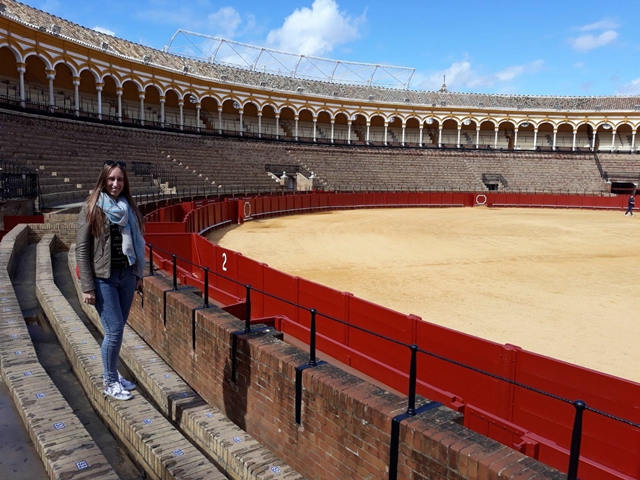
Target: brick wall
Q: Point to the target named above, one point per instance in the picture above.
(345, 429)
(63, 225)
(65, 233)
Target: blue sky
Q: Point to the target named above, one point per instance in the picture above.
(582, 48)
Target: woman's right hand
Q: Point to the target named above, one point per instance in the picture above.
(89, 297)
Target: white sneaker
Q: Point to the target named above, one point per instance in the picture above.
(126, 384)
(116, 391)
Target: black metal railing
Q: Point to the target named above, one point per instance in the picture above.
(579, 405)
(10, 100)
(17, 181)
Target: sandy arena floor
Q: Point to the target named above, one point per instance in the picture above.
(563, 283)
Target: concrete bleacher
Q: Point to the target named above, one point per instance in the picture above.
(385, 168)
(68, 155)
(63, 443)
(541, 171)
(426, 169)
(231, 162)
(623, 165)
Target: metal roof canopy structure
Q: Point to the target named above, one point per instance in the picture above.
(260, 59)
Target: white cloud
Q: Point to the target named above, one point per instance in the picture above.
(224, 22)
(316, 30)
(510, 73)
(462, 76)
(607, 28)
(104, 30)
(631, 88)
(578, 65)
(585, 43)
(604, 24)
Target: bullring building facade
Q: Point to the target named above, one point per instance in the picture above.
(51, 63)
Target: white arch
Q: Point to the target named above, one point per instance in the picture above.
(16, 52)
(45, 59)
(72, 67)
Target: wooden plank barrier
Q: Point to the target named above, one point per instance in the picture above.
(526, 420)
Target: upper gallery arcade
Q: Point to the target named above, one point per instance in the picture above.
(50, 63)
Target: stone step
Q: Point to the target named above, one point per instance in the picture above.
(151, 439)
(63, 443)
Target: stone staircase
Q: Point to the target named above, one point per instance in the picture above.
(169, 430)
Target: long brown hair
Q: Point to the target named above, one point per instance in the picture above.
(95, 215)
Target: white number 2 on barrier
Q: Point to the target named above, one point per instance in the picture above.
(224, 262)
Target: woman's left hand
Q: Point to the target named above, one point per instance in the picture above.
(139, 286)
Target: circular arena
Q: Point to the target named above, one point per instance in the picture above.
(482, 234)
(556, 282)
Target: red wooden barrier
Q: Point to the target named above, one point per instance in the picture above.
(282, 286)
(331, 303)
(10, 221)
(533, 423)
(490, 394)
(388, 323)
(611, 443)
(179, 244)
(251, 273)
(164, 227)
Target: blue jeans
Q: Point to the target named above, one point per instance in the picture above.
(114, 296)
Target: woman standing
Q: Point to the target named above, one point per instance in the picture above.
(110, 257)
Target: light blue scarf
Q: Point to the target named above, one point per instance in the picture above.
(119, 214)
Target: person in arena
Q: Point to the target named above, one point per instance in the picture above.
(630, 204)
(110, 258)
